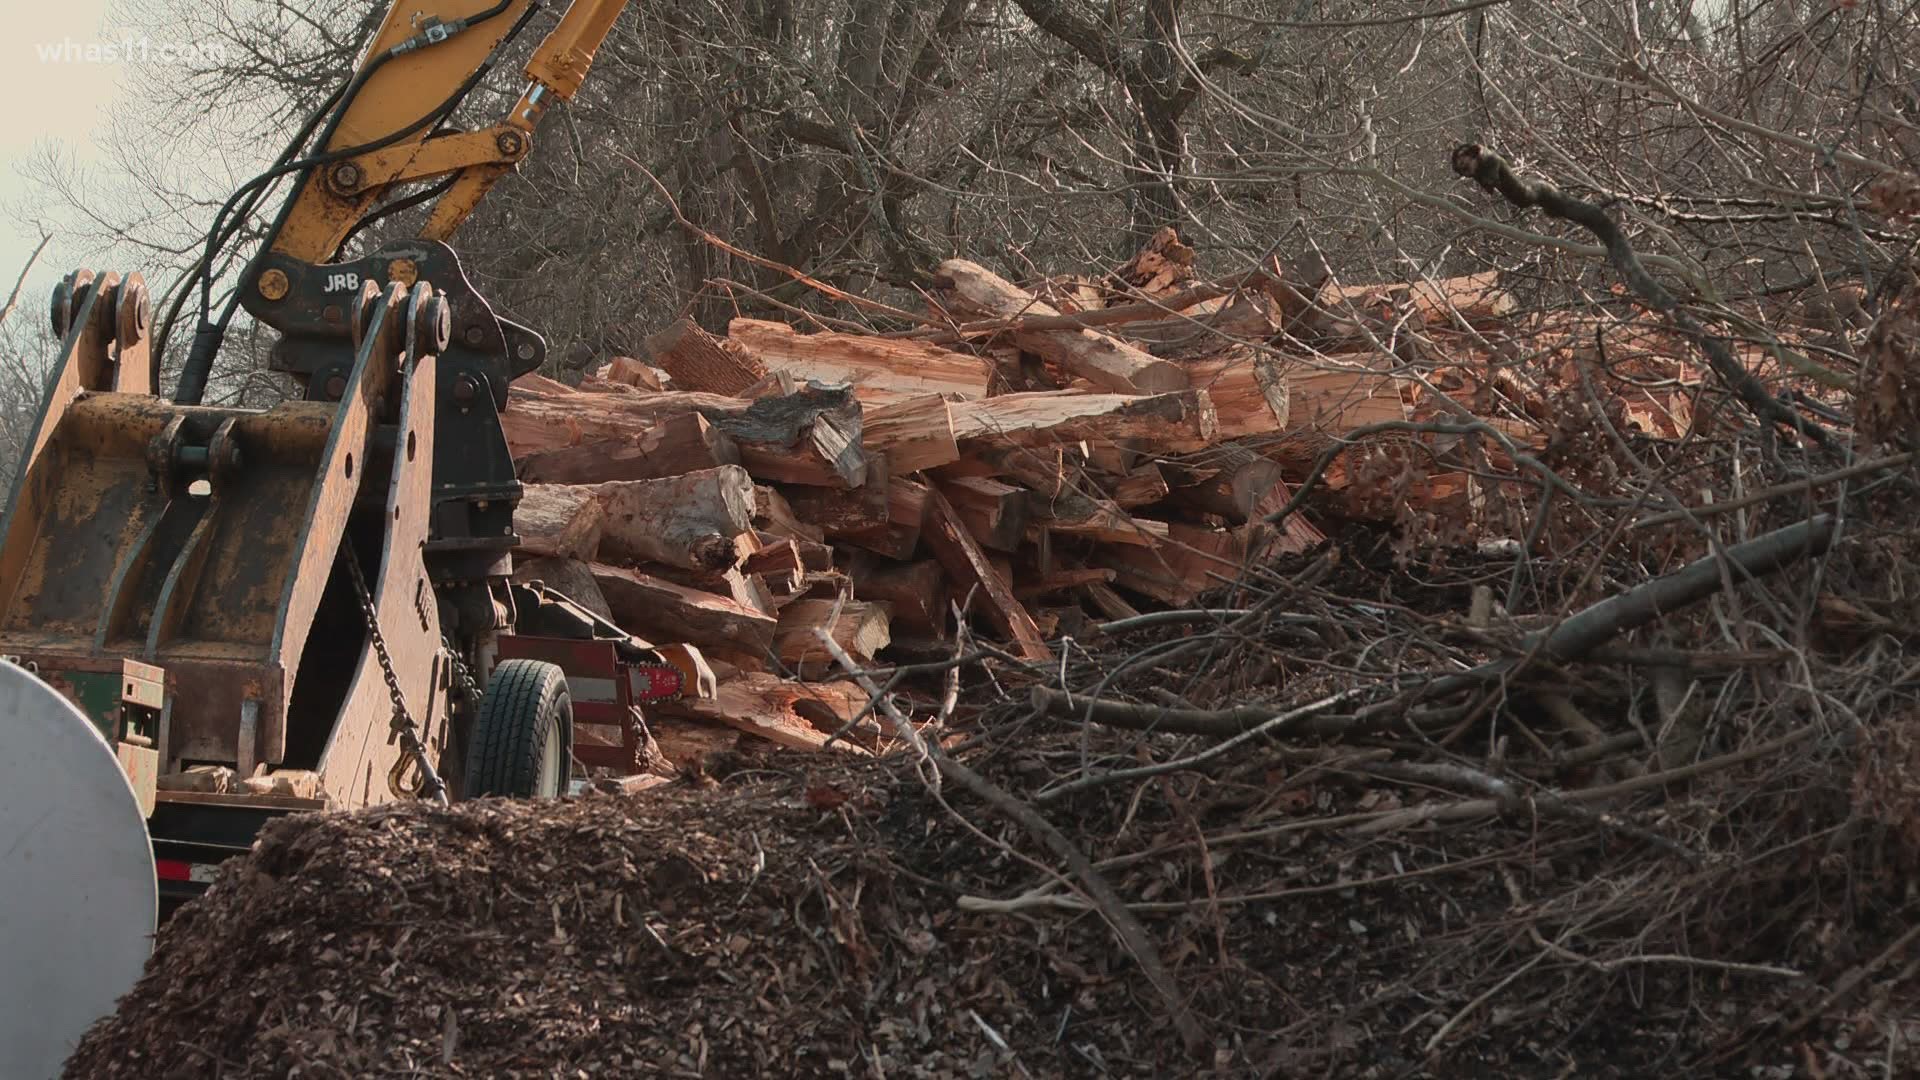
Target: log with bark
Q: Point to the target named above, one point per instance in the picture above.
(811, 436)
(676, 445)
(689, 520)
(569, 577)
(662, 610)
(561, 521)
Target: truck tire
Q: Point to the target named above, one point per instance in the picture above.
(522, 742)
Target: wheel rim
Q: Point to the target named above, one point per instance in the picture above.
(550, 765)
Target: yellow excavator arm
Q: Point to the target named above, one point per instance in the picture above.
(309, 596)
(425, 52)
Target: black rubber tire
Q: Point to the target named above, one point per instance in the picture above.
(526, 703)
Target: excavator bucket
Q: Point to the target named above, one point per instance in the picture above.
(208, 542)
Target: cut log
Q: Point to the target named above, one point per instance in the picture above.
(779, 565)
(569, 577)
(1062, 580)
(1189, 562)
(630, 372)
(1099, 520)
(1110, 603)
(690, 520)
(773, 514)
(808, 437)
(837, 513)
(676, 445)
(564, 522)
(539, 384)
(1105, 361)
(1162, 265)
(796, 715)
(691, 745)
(1249, 316)
(967, 565)
(750, 591)
(811, 436)
(692, 664)
(859, 627)
(664, 611)
(1477, 298)
(915, 433)
(699, 361)
(1171, 423)
(995, 513)
(1237, 480)
(1343, 393)
(880, 370)
(916, 592)
(1141, 487)
(776, 384)
(891, 528)
(1251, 394)
(1047, 471)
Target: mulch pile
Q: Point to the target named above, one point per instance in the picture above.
(801, 917)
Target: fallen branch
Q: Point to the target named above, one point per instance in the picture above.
(1493, 174)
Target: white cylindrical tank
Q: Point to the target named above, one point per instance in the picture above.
(78, 900)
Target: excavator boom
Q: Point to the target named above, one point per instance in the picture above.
(308, 597)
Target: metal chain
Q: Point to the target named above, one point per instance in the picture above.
(401, 727)
(463, 681)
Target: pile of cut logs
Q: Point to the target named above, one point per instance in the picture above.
(1028, 458)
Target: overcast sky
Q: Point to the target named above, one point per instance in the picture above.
(58, 95)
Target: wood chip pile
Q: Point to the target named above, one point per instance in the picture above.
(1086, 448)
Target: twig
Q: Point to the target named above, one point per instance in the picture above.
(1388, 820)
(1111, 907)
(757, 260)
(1610, 966)
(1797, 487)
(1486, 995)
(1596, 624)
(1460, 776)
(13, 298)
(1234, 721)
(1162, 618)
(1846, 983)
(1272, 726)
